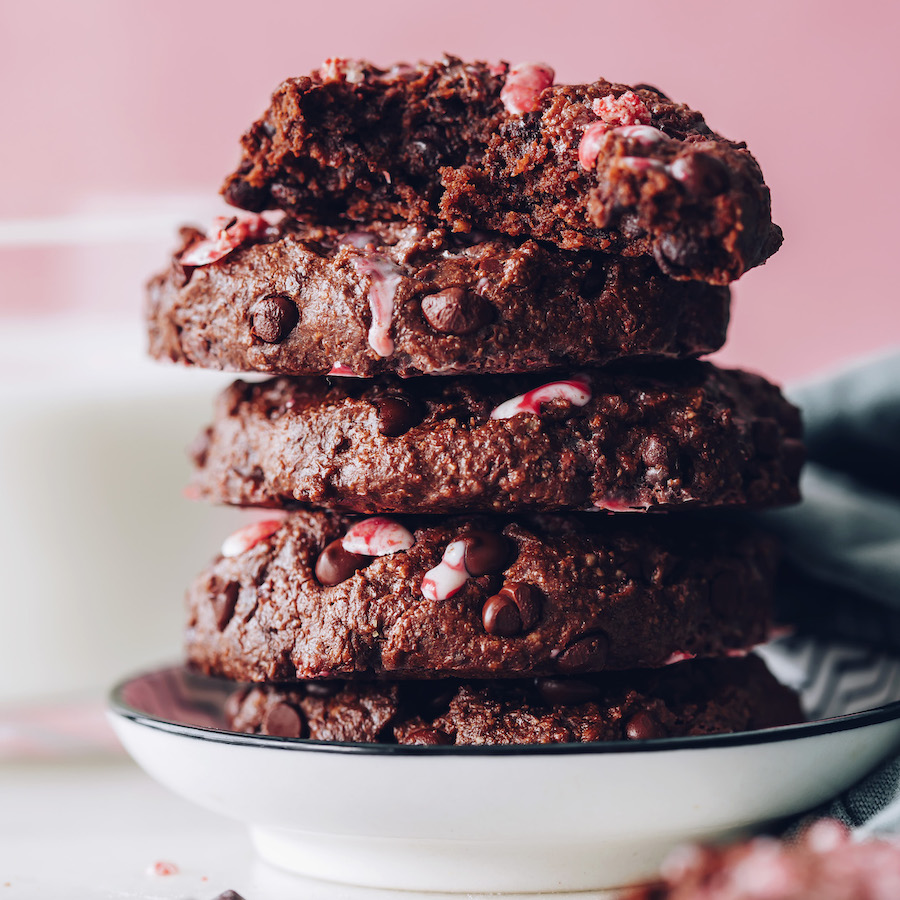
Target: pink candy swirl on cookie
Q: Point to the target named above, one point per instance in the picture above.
(249, 536)
(575, 390)
(225, 234)
(524, 85)
(449, 575)
(384, 279)
(377, 536)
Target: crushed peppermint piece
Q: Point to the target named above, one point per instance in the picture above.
(626, 109)
(449, 575)
(161, 867)
(616, 506)
(576, 390)
(249, 536)
(343, 371)
(384, 279)
(396, 72)
(640, 164)
(825, 862)
(591, 141)
(679, 656)
(524, 85)
(645, 135)
(338, 69)
(377, 536)
(359, 239)
(225, 234)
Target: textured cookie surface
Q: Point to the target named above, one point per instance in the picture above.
(639, 438)
(323, 595)
(688, 698)
(300, 300)
(488, 147)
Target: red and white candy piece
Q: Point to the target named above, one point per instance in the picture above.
(591, 142)
(576, 390)
(595, 134)
(640, 164)
(679, 168)
(377, 536)
(384, 279)
(449, 575)
(523, 87)
(249, 536)
(616, 506)
(343, 371)
(645, 135)
(162, 867)
(626, 109)
(339, 69)
(359, 239)
(224, 236)
(678, 656)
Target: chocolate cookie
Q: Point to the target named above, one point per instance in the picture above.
(825, 863)
(600, 166)
(299, 299)
(321, 595)
(710, 696)
(639, 438)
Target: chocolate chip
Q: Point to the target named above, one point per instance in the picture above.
(431, 737)
(229, 895)
(703, 176)
(335, 564)
(677, 252)
(567, 691)
(649, 87)
(282, 720)
(274, 317)
(456, 311)
(397, 415)
(501, 617)
(726, 592)
(224, 604)
(643, 726)
(486, 552)
(513, 610)
(241, 194)
(586, 653)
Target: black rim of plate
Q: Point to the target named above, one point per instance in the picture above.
(886, 713)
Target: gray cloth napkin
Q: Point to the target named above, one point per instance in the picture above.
(842, 543)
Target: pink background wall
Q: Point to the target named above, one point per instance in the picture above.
(115, 106)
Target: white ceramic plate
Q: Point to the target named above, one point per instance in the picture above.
(513, 819)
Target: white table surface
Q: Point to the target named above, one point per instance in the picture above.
(90, 829)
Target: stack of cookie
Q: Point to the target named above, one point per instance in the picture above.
(483, 296)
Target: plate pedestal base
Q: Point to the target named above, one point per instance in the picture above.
(465, 866)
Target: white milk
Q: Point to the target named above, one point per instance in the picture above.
(97, 543)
